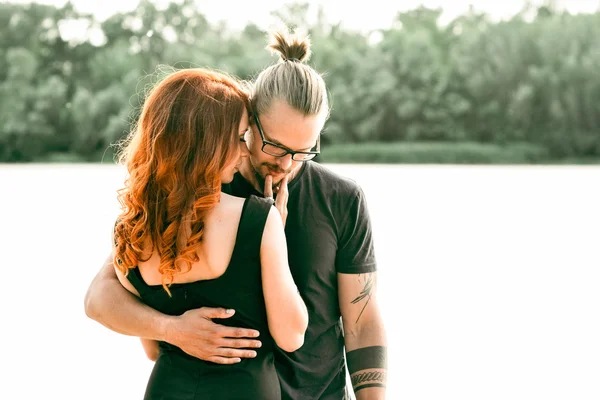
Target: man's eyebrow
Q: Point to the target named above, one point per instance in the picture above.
(275, 141)
(283, 145)
(309, 148)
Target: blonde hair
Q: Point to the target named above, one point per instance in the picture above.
(290, 80)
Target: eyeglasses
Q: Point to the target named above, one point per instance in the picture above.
(277, 150)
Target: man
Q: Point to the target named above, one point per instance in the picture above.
(330, 249)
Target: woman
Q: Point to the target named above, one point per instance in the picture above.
(180, 243)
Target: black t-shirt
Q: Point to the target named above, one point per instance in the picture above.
(328, 231)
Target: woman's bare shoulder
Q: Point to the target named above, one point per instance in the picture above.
(228, 207)
(230, 201)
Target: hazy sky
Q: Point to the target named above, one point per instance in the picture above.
(370, 15)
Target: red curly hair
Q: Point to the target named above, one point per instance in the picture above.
(186, 134)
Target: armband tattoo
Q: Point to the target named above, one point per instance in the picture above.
(367, 367)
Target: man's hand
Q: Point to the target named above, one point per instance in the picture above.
(195, 333)
(282, 195)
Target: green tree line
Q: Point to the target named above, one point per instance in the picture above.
(418, 91)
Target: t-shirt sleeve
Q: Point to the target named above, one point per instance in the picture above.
(356, 253)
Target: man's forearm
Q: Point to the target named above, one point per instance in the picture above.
(110, 304)
(366, 355)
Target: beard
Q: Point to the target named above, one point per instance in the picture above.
(260, 178)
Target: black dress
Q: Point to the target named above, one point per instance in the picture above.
(177, 375)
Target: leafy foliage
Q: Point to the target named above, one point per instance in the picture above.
(488, 85)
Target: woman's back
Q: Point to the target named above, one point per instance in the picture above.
(218, 241)
(228, 274)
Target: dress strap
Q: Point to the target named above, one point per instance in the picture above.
(251, 228)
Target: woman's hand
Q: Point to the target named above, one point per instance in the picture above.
(282, 195)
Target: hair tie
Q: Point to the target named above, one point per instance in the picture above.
(292, 60)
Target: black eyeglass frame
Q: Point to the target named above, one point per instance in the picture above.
(283, 148)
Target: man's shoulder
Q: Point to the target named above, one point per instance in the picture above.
(332, 181)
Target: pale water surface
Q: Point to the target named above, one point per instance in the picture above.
(489, 282)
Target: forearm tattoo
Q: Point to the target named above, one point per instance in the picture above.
(367, 367)
(367, 379)
(365, 293)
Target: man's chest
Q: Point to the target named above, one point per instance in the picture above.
(312, 247)
(311, 233)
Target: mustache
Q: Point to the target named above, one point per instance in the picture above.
(276, 169)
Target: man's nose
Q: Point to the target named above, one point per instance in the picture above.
(285, 162)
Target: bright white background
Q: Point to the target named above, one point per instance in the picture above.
(489, 276)
(489, 282)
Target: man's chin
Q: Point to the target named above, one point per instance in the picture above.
(261, 173)
(261, 180)
(277, 179)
